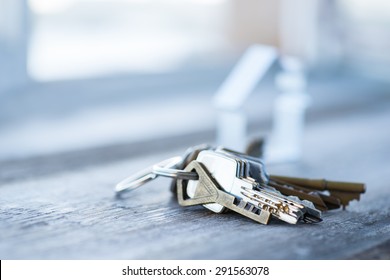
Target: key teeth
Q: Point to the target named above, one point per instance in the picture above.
(304, 213)
(247, 206)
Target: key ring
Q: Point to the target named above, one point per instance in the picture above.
(164, 168)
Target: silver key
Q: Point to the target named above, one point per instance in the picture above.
(227, 171)
(256, 169)
(288, 209)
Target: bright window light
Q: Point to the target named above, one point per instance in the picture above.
(84, 38)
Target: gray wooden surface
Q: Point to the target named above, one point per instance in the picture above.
(53, 208)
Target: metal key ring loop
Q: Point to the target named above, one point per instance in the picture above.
(164, 168)
(135, 181)
(174, 173)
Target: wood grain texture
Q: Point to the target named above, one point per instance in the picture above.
(73, 214)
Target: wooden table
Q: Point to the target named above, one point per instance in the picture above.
(63, 206)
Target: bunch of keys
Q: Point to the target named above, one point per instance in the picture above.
(222, 180)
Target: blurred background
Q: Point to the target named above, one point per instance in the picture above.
(82, 75)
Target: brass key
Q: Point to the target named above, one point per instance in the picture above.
(342, 191)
